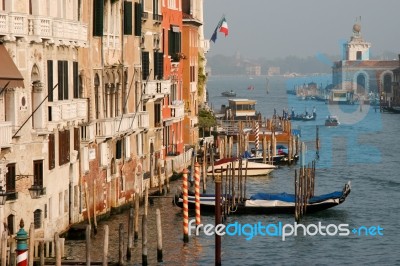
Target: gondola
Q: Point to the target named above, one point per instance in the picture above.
(266, 203)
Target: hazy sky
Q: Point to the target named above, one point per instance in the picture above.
(277, 28)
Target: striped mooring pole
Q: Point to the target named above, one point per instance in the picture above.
(197, 191)
(257, 140)
(22, 245)
(185, 206)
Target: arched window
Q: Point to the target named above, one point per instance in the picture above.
(97, 96)
(10, 224)
(37, 218)
(361, 83)
(359, 55)
(387, 83)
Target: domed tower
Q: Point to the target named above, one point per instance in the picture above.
(356, 48)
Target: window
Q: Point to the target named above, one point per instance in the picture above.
(359, 55)
(97, 95)
(76, 139)
(10, 182)
(118, 149)
(127, 18)
(37, 218)
(10, 224)
(157, 114)
(62, 80)
(174, 43)
(98, 8)
(52, 152)
(38, 173)
(63, 147)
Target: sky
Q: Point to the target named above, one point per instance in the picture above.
(278, 28)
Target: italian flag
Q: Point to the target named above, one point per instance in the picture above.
(224, 27)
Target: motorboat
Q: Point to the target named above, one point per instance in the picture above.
(332, 121)
(230, 93)
(247, 167)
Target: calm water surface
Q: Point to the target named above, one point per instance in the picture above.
(364, 149)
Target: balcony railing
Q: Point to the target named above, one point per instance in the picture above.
(5, 134)
(88, 132)
(69, 110)
(38, 28)
(177, 109)
(157, 18)
(111, 127)
(156, 89)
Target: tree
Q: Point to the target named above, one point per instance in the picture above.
(206, 119)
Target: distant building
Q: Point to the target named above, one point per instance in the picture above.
(396, 85)
(359, 77)
(253, 70)
(274, 71)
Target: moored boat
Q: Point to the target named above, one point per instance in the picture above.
(253, 168)
(270, 203)
(332, 121)
(229, 93)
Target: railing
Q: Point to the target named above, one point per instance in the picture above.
(110, 127)
(157, 17)
(88, 133)
(69, 110)
(5, 134)
(145, 15)
(156, 89)
(22, 25)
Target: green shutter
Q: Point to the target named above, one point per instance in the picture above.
(98, 13)
(50, 80)
(145, 65)
(128, 18)
(138, 19)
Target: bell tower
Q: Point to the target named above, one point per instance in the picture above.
(356, 48)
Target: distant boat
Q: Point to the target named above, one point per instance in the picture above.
(229, 93)
(250, 87)
(332, 121)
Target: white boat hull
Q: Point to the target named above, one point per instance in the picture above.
(253, 169)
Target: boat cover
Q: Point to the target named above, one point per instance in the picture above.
(291, 197)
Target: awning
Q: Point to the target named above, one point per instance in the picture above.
(9, 72)
(175, 29)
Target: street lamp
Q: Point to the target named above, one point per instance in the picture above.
(36, 191)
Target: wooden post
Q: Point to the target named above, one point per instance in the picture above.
(105, 246)
(166, 177)
(159, 179)
(87, 235)
(197, 191)
(87, 202)
(245, 179)
(185, 206)
(264, 148)
(31, 244)
(217, 219)
(317, 142)
(57, 249)
(13, 255)
(144, 240)
(121, 245)
(159, 236)
(130, 231)
(136, 224)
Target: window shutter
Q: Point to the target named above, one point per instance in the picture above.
(145, 65)
(52, 157)
(60, 80)
(76, 79)
(127, 18)
(50, 80)
(138, 19)
(170, 43)
(98, 10)
(65, 63)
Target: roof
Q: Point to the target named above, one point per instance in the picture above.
(9, 73)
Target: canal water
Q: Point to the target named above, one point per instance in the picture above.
(363, 149)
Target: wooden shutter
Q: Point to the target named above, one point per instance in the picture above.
(52, 155)
(75, 79)
(60, 80)
(50, 80)
(127, 18)
(145, 65)
(65, 81)
(76, 139)
(138, 19)
(98, 13)
(38, 173)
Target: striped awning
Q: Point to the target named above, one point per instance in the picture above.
(9, 72)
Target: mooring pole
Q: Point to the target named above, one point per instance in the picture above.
(185, 206)
(217, 219)
(22, 245)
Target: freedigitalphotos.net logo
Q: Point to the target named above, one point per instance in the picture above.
(260, 229)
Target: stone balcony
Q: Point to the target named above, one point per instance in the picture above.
(156, 89)
(114, 126)
(42, 29)
(5, 135)
(177, 109)
(75, 110)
